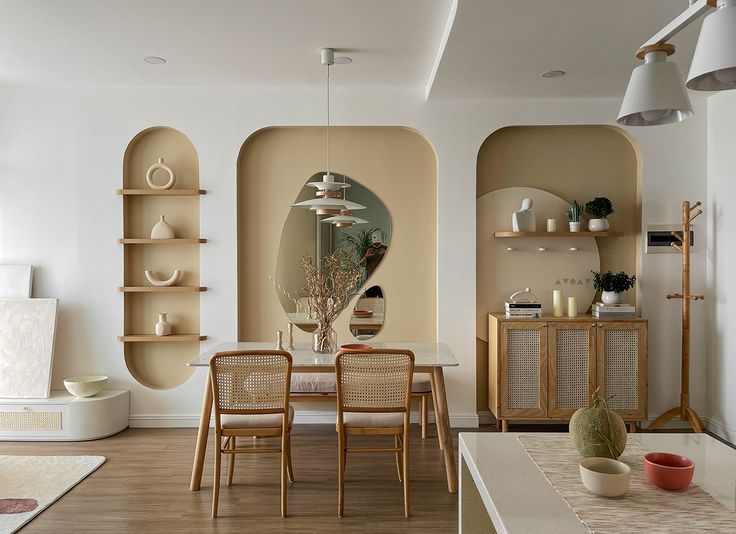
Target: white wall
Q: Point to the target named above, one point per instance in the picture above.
(61, 153)
(721, 296)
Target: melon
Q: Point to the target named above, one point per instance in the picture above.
(598, 431)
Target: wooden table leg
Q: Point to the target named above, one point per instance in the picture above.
(443, 421)
(440, 428)
(202, 434)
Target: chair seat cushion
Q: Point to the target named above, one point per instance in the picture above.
(313, 383)
(420, 383)
(268, 420)
(372, 420)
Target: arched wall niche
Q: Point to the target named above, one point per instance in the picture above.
(574, 162)
(398, 164)
(160, 365)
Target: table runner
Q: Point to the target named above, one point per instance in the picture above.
(643, 508)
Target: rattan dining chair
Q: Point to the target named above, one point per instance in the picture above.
(251, 398)
(373, 398)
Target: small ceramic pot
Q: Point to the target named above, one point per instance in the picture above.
(669, 471)
(163, 327)
(598, 225)
(611, 297)
(162, 230)
(605, 477)
(575, 226)
(85, 386)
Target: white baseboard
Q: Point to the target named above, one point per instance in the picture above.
(720, 429)
(301, 418)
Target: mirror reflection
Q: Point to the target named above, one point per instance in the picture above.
(306, 232)
(368, 313)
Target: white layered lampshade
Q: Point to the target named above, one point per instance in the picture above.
(714, 63)
(328, 184)
(655, 94)
(344, 220)
(328, 206)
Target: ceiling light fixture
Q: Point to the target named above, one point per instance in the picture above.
(655, 94)
(328, 190)
(345, 219)
(553, 74)
(154, 60)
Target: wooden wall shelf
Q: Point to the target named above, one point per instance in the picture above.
(161, 289)
(556, 234)
(148, 241)
(142, 338)
(161, 192)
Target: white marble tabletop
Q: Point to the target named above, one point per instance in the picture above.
(425, 354)
(519, 499)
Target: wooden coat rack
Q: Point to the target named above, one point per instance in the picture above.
(684, 410)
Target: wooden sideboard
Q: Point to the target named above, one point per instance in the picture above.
(546, 368)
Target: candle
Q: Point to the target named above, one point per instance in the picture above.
(572, 307)
(551, 225)
(557, 302)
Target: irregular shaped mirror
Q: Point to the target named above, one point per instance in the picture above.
(307, 233)
(367, 319)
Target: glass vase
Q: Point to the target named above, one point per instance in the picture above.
(324, 339)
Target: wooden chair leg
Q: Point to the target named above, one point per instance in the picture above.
(424, 414)
(284, 471)
(440, 433)
(405, 465)
(288, 456)
(231, 462)
(341, 472)
(397, 444)
(216, 485)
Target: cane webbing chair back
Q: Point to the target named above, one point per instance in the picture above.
(374, 380)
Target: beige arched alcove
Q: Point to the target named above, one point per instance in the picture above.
(155, 362)
(398, 164)
(571, 162)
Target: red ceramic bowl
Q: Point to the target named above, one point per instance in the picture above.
(355, 346)
(669, 471)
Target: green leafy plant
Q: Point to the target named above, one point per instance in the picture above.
(610, 281)
(358, 242)
(599, 208)
(575, 212)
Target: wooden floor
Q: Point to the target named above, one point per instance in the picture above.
(144, 487)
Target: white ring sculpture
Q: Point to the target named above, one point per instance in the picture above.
(156, 166)
(162, 283)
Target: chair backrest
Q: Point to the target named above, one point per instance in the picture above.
(250, 382)
(374, 380)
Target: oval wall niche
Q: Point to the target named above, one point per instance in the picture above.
(160, 363)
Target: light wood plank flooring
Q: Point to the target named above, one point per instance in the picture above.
(144, 487)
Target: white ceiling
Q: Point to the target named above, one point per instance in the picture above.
(495, 49)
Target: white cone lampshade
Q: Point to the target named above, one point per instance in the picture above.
(655, 94)
(714, 63)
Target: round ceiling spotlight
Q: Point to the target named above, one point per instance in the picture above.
(154, 60)
(553, 74)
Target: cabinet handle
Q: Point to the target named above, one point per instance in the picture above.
(600, 324)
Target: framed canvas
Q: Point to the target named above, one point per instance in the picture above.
(16, 281)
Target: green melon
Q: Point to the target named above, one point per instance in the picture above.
(598, 431)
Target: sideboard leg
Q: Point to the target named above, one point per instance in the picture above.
(505, 425)
(633, 427)
(498, 424)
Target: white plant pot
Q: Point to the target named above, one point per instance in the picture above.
(611, 297)
(575, 226)
(598, 225)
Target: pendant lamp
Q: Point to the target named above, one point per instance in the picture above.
(714, 63)
(655, 94)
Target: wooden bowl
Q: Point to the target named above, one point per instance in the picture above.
(356, 346)
(669, 471)
(605, 477)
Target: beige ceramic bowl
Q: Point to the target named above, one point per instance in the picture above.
(605, 477)
(85, 386)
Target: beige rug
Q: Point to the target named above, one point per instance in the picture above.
(30, 484)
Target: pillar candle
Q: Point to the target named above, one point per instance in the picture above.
(551, 225)
(572, 307)
(557, 302)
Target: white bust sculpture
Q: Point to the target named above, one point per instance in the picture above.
(524, 220)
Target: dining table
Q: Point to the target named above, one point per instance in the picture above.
(358, 324)
(429, 358)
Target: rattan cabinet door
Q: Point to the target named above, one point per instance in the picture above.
(523, 369)
(572, 363)
(622, 367)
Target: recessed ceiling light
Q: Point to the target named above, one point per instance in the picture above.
(154, 60)
(553, 74)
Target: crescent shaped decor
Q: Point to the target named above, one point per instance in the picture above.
(161, 283)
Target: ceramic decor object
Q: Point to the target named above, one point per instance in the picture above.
(604, 476)
(163, 327)
(598, 225)
(165, 168)
(612, 297)
(162, 230)
(574, 226)
(669, 471)
(85, 386)
(154, 280)
(524, 220)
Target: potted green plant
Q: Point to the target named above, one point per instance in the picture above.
(598, 209)
(612, 285)
(573, 214)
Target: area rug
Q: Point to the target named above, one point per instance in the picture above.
(30, 484)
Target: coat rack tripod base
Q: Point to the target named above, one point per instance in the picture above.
(684, 411)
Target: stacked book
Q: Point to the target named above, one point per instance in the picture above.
(523, 309)
(613, 310)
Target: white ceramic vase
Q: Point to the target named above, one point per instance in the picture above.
(162, 230)
(163, 327)
(598, 225)
(611, 297)
(575, 226)
(160, 166)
